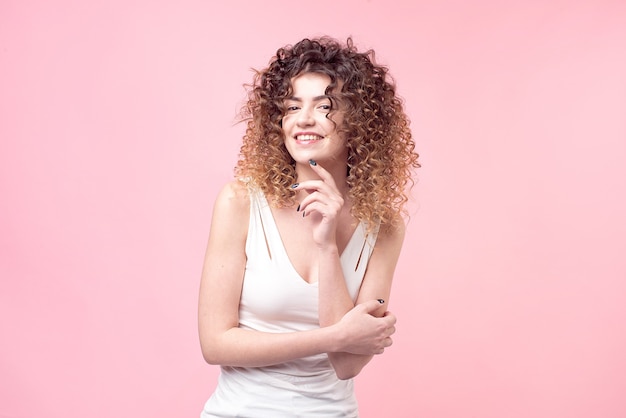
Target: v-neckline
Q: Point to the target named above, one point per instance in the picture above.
(350, 242)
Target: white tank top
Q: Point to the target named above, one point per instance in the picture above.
(275, 298)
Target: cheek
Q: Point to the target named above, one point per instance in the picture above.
(336, 119)
(286, 121)
(334, 126)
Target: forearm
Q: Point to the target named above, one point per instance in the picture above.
(249, 348)
(334, 299)
(335, 302)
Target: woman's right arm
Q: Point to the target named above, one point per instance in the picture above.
(221, 339)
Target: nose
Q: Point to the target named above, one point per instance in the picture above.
(305, 117)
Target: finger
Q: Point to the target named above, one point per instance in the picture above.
(390, 321)
(323, 173)
(372, 305)
(328, 206)
(391, 316)
(330, 199)
(318, 190)
(311, 185)
(309, 208)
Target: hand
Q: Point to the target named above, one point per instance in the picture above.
(324, 202)
(363, 333)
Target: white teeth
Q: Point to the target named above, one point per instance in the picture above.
(308, 137)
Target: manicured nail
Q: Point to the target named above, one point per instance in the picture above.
(298, 208)
(312, 162)
(381, 301)
(293, 186)
(303, 213)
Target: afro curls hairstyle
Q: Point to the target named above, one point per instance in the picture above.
(381, 151)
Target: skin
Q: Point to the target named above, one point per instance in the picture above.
(320, 227)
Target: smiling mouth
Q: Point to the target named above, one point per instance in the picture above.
(309, 137)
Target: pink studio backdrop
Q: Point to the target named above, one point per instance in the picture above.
(117, 130)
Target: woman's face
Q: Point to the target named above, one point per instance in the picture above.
(309, 131)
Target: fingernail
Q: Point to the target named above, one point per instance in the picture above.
(381, 301)
(312, 162)
(293, 186)
(298, 208)
(303, 213)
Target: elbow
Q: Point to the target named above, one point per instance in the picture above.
(216, 349)
(347, 376)
(347, 373)
(211, 354)
(210, 358)
(347, 366)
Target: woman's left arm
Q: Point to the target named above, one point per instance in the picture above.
(335, 300)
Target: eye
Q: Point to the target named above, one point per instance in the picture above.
(324, 106)
(292, 108)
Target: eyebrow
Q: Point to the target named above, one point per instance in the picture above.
(315, 99)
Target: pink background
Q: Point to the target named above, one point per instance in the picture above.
(117, 130)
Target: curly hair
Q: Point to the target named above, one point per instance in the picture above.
(381, 151)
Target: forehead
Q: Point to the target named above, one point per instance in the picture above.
(309, 84)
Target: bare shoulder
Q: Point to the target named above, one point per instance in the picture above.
(231, 210)
(392, 235)
(233, 198)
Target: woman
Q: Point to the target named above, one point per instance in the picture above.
(303, 245)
